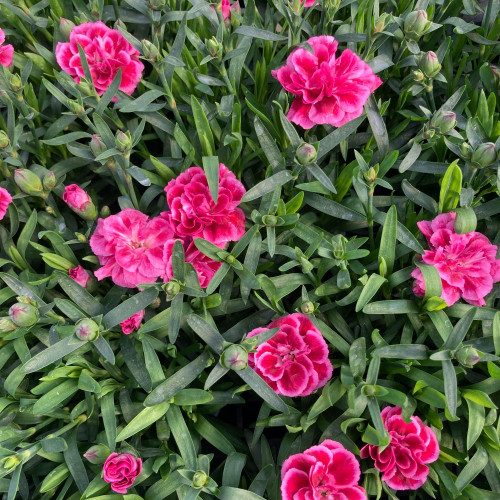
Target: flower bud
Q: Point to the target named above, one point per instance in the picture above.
(150, 51)
(429, 133)
(80, 275)
(371, 174)
(76, 108)
(443, 121)
(196, 303)
(123, 142)
(269, 220)
(418, 76)
(429, 64)
(230, 259)
(65, 27)
(307, 307)
(15, 82)
(434, 304)
(11, 462)
(215, 48)
(200, 479)
(416, 24)
(97, 145)
(49, 181)
(97, 454)
(468, 356)
(81, 238)
(484, 155)
(157, 4)
(172, 288)
(382, 22)
(466, 150)
(87, 329)
(86, 88)
(105, 212)
(496, 73)
(305, 154)
(6, 325)
(234, 357)
(4, 140)
(156, 303)
(80, 202)
(28, 182)
(23, 314)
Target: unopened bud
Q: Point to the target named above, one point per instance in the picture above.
(150, 51)
(97, 145)
(6, 325)
(4, 140)
(306, 154)
(416, 24)
(307, 307)
(382, 22)
(157, 4)
(466, 150)
(172, 289)
(81, 238)
(443, 121)
(15, 82)
(429, 134)
(215, 48)
(468, 356)
(80, 202)
(105, 212)
(28, 182)
(49, 181)
(200, 479)
(434, 304)
(97, 454)
(234, 357)
(76, 108)
(429, 64)
(23, 314)
(269, 220)
(86, 88)
(156, 303)
(371, 175)
(11, 462)
(484, 155)
(418, 76)
(65, 27)
(123, 142)
(496, 73)
(87, 329)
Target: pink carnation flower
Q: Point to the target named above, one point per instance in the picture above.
(121, 469)
(5, 200)
(327, 471)
(193, 212)
(327, 89)
(466, 263)
(130, 246)
(294, 362)
(106, 51)
(308, 3)
(226, 8)
(412, 446)
(80, 275)
(6, 51)
(204, 266)
(132, 324)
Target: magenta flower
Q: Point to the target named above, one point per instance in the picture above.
(132, 324)
(466, 263)
(327, 89)
(6, 51)
(80, 275)
(107, 51)
(324, 472)
(130, 246)
(5, 200)
(193, 212)
(308, 3)
(294, 362)
(204, 266)
(226, 8)
(412, 446)
(80, 202)
(121, 469)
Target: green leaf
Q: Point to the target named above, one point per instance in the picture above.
(80, 296)
(451, 186)
(475, 465)
(262, 389)
(182, 436)
(207, 332)
(432, 280)
(130, 307)
(476, 422)
(460, 330)
(337, 136)
(229, 493)
(267, 185)
(372, 286)
(450, 387)
(109, 419)
(135, 363)
(387, 249)
(27, 233)
(261, 34)
(111, 92)
(213, 435)
(203, 127)
(332, 208)
(144, 419)
(391, 307)
(402, 351)
(54, 397)
(268, 144)
(211, 167)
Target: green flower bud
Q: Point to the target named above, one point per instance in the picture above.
(200, 479)
(172, 289)
(87, 329)
(371, 175)
(28, 182)
(4, 140)
(97, 454)
(65, 27)
(306, 154)
(466, 150)
(156, 303)
(105, 212)
(434, 304)
(382, 22)
(416, 24)
(231, 259)
(150, 51)
(86, 88)
(418, 76)
(23, 314)
(443, 121)
(6, 325)
(196, 303)
(15, 82)
(429, 134)
(123, 142)
(81, 238)
(10, 463)
(97, 145)
(270, 220)
(307, 307)
(468, 356)
(157, 4)
(429, 64)
(234, 357)
(215, 48)
(76, 108)
(496, 74)
(49, 181)
(484, 155)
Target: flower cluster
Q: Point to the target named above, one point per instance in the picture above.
(466, 263)
(134, 249)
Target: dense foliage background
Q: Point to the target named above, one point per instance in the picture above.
(336, 238)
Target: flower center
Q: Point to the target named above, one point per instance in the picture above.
(289, 353)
